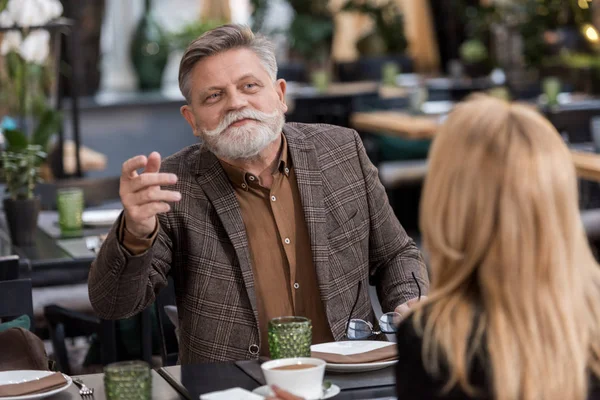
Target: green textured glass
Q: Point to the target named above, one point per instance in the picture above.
(128, 380)
(320, 80)
(290, 337)
(551, 86)
(389, 72)
(70, 209)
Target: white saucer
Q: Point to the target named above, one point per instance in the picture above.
(266, 391)
(8, 377)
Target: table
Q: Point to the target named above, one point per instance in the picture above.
(587, 165)
(161, 389)
(47, 262)
(193, 380)
(396, 123)
(413, 127)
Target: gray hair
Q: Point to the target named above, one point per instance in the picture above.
(218, 40)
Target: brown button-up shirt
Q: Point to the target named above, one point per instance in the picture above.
(284, 274)
(285, 279)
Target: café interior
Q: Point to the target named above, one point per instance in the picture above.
(87, 84)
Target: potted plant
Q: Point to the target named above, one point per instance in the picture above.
(20, 171)
(383, 46)
(29, 121)
(309, 38)
(475, 58)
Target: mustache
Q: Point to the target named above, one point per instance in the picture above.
(235, 116)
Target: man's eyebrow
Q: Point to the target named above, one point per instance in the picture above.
(248, 76)
(218, 88)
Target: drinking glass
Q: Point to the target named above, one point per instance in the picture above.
(320, 80)
(389, 72)
(128, 380)
(551, 86)
(290, 337)
(70, 204)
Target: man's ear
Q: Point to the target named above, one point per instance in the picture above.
(280, 88)
(187, 113)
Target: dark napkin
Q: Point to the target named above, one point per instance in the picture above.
(42, 385)
(346, 381)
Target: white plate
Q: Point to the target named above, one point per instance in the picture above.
(8, 377)
(100, 217)
(351, 347)
(266, 391)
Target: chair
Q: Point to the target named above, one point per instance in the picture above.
(16, 300)
(169, 345)
(9, 268)
(64, 323)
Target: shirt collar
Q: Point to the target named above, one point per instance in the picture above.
(239, 177)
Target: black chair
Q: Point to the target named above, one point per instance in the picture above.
(64, 323)
(16, 299)
(9, 268)
(169, 345)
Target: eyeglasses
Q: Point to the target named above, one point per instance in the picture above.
(359, 329)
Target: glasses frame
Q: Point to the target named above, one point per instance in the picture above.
(370, 325)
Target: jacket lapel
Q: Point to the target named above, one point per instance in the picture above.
(310, 186)
(215, 184)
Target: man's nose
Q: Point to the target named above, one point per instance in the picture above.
(237, 101)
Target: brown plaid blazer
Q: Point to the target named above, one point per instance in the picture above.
(202, 242)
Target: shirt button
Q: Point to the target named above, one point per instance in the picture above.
(253, 349)
(287, 240)
(244, 185)
(287, 170)
(251, 178)
(296, 285)
(273, 198)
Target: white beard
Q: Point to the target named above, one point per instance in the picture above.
(246, 141)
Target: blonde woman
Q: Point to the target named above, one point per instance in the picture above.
(514, 306)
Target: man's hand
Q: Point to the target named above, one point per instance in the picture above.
(405, 308)
(141, 194)
(281, 394)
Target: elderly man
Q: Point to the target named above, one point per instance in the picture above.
(263, 219)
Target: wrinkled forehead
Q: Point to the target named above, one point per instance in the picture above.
(228, 68)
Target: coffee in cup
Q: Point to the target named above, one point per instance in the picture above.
(302, 376)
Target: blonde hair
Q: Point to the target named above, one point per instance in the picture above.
(512, 274)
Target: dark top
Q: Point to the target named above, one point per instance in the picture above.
(413, 382)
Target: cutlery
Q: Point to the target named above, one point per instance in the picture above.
(84, 391)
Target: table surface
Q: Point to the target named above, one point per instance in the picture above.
(197, 379)
(161, 389)
(412, 127)
(46, 262)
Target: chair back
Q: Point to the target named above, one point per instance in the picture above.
(9, 268)
(595, 129)
(169, 345)
(16, 299)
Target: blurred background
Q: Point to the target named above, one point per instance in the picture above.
(87, 84)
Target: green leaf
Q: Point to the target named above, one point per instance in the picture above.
(17, 141)
(49, 124)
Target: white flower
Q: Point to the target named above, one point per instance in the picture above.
(6, 20)
(26, 13)
(11, 41)
(52, 8)
(35, 47)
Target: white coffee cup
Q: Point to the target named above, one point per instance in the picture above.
(306, 382)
